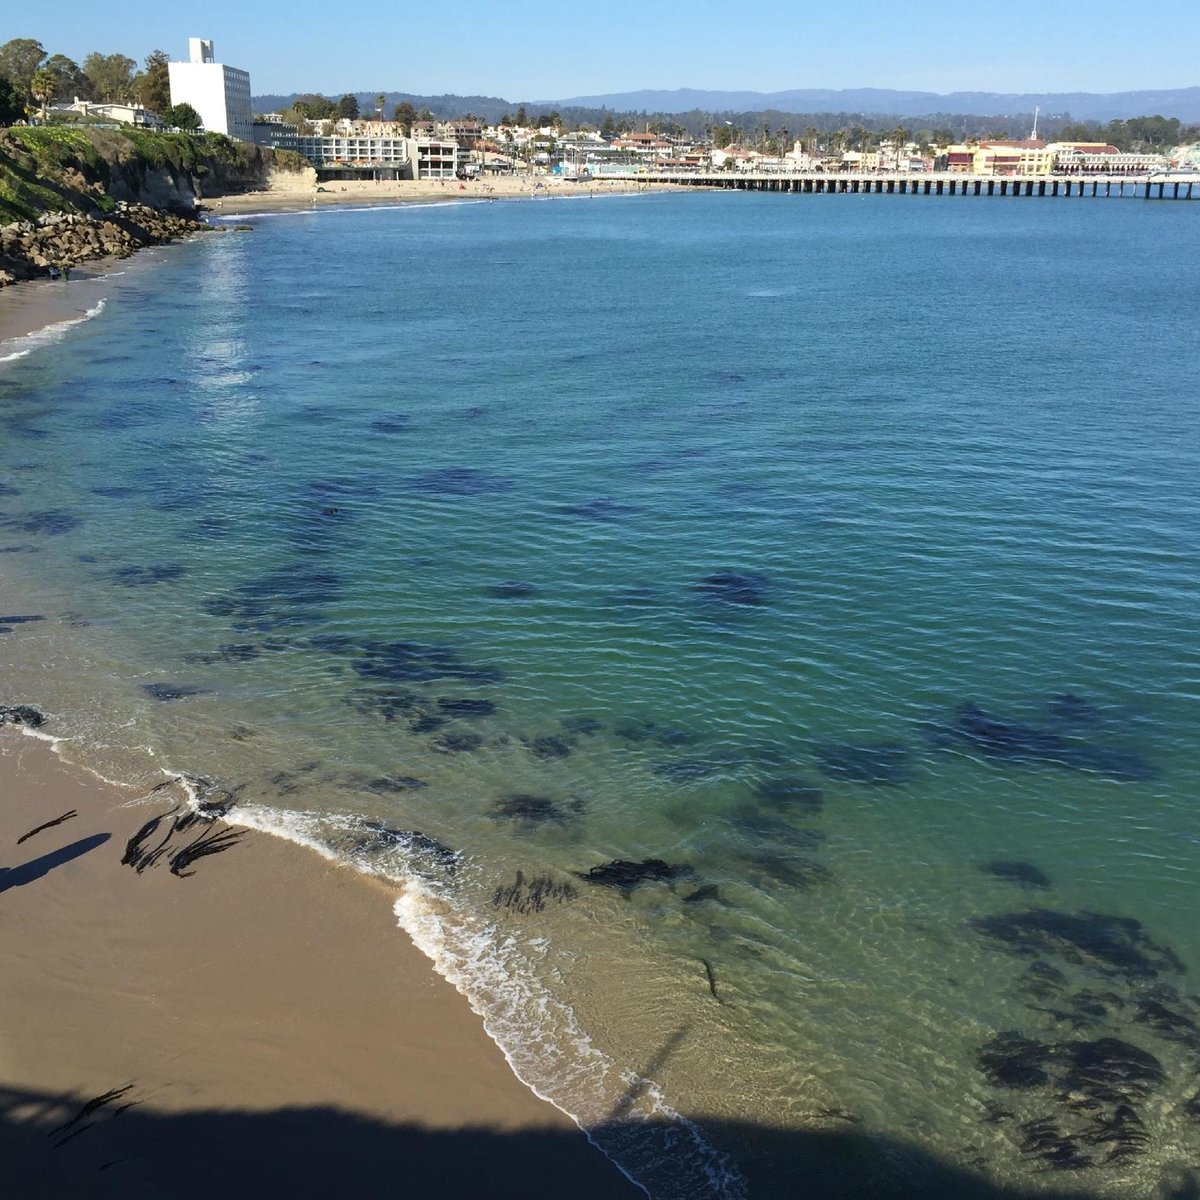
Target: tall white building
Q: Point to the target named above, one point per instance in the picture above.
(220, 94)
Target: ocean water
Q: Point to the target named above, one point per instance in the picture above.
(832, 559)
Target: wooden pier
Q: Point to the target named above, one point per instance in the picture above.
(1140, 187)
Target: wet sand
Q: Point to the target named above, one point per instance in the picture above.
(262, 1026)
(37, 304)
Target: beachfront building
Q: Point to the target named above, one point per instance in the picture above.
(434, 157)
(380, 154)
(864, 161)
(219, 93)
(1029, 157)
(1099, 158)
(120, 114)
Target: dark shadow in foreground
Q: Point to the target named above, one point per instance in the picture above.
(57, 1146)
(28, 872)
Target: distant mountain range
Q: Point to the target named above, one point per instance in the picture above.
(1183, 103)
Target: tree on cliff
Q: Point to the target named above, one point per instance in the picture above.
(152, 87)
(181, 116)
(12, 106)
(72, 83)
(111, 76)
(19, 59)
(42, 87)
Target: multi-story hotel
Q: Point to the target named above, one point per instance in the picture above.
(220, 94)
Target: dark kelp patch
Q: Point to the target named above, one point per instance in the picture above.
(420, 848)
(165, 692)
(231, 652)
(277, 600)
(640, 730)
(790, 793)
(69, 815)
(998, 739)
(457, 742)
(51, 522)
(22, 714)
(512, 589)
(744, 589)
(548, 746)
(793, 870)
(1171, 1016)
(393, 423)
(21, 619)
(86, 1117)
(1110, 945)
(525, 896)
(625, 876)
(461, 481)
(535, 810)
(582, 726)
(144, 576)
(877, 764)
(418, 662)
(390, 785)
(1096, 1085)
(150, 844)
(1023, 874)
(465, 706)
(603, 508)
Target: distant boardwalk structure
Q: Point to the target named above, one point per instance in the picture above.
(1171, 186)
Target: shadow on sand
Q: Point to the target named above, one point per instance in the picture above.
(28, 872)
(53, 1146)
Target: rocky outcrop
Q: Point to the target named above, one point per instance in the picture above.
(57, 241)
(73, 193)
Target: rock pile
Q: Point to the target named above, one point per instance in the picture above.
(33, 249)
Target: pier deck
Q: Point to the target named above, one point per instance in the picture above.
(1141, 187)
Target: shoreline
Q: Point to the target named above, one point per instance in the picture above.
(163, 982)
(42, 306)
(288, 195)
(33, 307)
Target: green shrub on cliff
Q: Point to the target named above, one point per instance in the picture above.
(63, 168)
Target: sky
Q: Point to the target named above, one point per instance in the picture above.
(538, 50)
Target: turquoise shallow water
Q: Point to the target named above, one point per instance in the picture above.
(826, 549)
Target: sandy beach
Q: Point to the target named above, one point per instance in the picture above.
(257, 1027)
(294, 192)
(42, 304)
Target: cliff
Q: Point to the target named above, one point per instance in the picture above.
(55, 168)
(71, 193)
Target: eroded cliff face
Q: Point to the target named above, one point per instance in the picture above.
(172, 189)
(88, 170)
(68, 195)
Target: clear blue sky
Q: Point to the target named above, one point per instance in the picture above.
(538, 50)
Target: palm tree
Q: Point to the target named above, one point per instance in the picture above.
(810, 140)
(42, 87)
(900, 137)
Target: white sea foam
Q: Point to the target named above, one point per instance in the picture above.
(625, 1116)
(19, 347)
(622, 1114)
